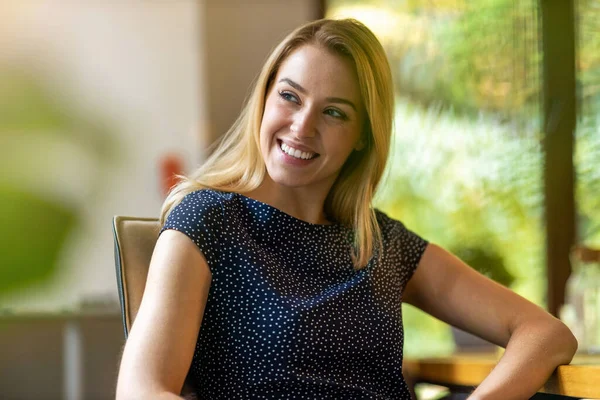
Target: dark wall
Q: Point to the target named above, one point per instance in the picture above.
(31, 357)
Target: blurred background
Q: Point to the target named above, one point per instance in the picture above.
(100, 102)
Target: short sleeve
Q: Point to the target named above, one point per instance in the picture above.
(199, 216)
(402, 245)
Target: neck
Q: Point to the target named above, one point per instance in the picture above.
(301, 203)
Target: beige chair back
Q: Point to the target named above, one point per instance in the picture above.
(135, 239)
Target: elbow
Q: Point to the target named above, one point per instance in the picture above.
(565, 343)
(573, 345)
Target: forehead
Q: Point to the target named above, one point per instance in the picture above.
(321, 71)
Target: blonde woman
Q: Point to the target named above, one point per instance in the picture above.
(274, 278)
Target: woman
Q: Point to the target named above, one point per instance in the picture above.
(289, 283)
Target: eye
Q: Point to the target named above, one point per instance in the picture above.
(334, 112)
(289, 96)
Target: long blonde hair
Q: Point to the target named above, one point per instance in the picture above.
(236, 165)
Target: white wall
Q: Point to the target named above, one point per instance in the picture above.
(169, 75)
(138, 66)
(240, 34)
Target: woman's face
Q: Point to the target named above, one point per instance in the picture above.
(312, 119)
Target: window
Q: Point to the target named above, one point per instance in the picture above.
(467, 169)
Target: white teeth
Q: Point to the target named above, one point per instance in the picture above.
(296, 153)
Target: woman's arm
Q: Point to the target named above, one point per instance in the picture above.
(536, 342)
(160, 346)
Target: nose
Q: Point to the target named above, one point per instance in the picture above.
(304, 123)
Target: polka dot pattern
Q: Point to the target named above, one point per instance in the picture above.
(287, 316)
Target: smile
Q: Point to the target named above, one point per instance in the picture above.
(290, 151)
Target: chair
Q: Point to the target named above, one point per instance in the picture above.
(135, 239)
(134, 243)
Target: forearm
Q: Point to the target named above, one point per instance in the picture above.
(533, 352)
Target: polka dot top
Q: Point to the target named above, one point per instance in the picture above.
(287, 316)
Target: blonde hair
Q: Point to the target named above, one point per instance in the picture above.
(237, 165)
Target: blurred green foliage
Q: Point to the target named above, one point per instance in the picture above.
(587, 162)
(32, 231)
(28, 106)
(466, 167)
(35, 224)
(472, 187)
(487, 261)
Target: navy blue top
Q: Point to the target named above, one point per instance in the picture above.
(287, 316)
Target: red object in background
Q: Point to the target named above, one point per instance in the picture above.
(170, 166)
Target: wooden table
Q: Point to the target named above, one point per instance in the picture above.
(579, 379)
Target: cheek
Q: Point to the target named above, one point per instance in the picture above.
(275, 118)
(345, 142)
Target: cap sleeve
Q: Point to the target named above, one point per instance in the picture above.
(200, 217)
(403, 245)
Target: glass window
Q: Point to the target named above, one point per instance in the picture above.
(466, 166)
(587, 146)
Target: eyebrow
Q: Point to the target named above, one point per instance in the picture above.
(299, 88)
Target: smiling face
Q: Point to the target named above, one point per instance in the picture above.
(312, 119)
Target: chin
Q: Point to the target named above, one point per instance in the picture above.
(286, 179)
(289, 182)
